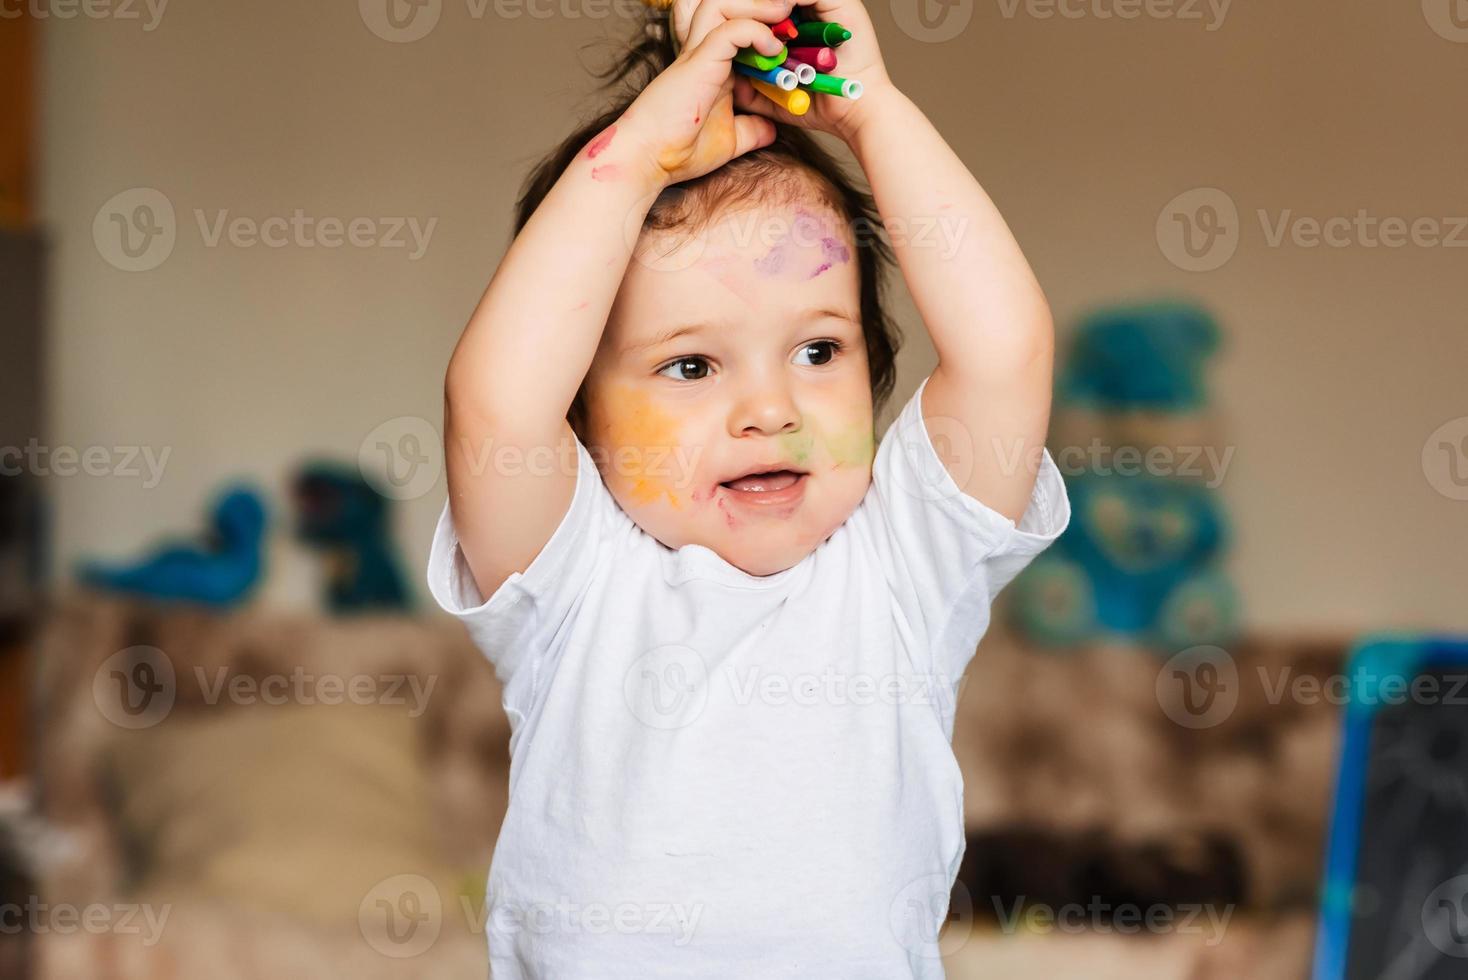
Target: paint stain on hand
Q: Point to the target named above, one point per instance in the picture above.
(710, 147)
(599, 144)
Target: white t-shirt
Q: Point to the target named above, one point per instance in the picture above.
(720, 775)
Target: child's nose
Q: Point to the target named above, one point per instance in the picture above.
(765, 409)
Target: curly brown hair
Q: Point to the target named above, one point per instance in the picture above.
(793, 167)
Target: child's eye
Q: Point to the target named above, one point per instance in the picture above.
(829, 347)
(680, 368)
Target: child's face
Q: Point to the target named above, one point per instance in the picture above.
(755, 384)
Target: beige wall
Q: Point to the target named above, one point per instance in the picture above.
(240, 360)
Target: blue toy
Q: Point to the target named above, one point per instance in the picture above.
(217, 571)
(339, 513)
(1140, 557)
(1147, 358)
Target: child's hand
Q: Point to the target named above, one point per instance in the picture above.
(685, 117)
(858, 58)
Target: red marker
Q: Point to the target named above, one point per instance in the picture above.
(823, 58)
(785, 30)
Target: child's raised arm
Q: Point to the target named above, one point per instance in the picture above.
(532, 337)
(985, 312)
(983, 308)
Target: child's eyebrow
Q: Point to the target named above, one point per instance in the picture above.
(829, 314)
(663, 337)
(673, 333)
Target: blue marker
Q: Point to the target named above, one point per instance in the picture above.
(782, 78)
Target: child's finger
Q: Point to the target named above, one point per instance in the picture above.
(751, 133)
(748, 99)
(711, 13)
(724, 41)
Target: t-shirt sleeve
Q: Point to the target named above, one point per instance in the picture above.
(946, 554)
(517, 622)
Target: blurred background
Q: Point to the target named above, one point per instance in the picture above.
(240, 241)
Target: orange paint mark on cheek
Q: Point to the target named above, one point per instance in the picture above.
(646, 491)
(645, 441)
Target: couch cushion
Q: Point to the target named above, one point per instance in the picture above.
(299, 809)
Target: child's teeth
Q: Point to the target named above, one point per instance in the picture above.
(764, 481)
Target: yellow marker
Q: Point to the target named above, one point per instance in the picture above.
(796, 102)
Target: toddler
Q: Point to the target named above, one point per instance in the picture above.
(729, 623)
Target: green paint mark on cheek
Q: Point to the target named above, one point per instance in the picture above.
(798, 446)
(852, 446)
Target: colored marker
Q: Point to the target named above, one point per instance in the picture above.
(848, 88)
(823, 58)
(822, 32)
(797, 103)
(803, 72)
(764, 62)
(782, 77)
(785, 30)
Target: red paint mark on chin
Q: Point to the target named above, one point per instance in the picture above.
(728, 517)
(607, 171)
(696, 119)
(601, 142)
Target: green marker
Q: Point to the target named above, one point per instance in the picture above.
(821, 33)
(833, 85)
(764, 62)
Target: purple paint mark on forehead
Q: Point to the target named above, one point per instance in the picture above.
(832, 252)
(808, 227)
(773, 261)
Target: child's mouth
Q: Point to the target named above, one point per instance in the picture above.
(775, 487)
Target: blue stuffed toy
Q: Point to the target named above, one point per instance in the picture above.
(1140, 557)
(219, 570)
(340, 514)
